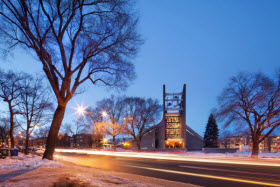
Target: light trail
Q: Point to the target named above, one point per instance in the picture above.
(233, 171)
(208, 176)
(172, 157)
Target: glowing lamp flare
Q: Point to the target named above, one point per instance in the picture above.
(80, 110)
(104, 113)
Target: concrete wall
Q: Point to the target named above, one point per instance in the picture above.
(148, 141)
(155, 139)
(219, 150)
(193, 141)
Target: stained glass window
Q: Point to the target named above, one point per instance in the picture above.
(172, 127)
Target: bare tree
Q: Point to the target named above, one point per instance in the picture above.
(75, 41)
(4, 130)
(34, 105)
(95, 123)
(10, 91)
(140, 113)
(42, 132)
(115, 110)
(251, 100)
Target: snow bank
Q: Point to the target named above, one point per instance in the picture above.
(27, 161)
(40, 151)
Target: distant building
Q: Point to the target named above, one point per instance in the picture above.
(273, 144)
(81, 141)
(240, 143)
(63, 141)
(97, 141)
(38, 142)
(172, 133)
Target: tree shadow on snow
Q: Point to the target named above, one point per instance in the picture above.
(10, 175)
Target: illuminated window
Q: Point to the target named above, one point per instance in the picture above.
(172, 127)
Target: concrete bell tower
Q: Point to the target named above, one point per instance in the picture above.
(174, 119)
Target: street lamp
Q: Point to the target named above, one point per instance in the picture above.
(104, 114)
(80, 109)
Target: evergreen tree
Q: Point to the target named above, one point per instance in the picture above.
(211, 133)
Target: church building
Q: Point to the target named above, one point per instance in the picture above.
(172, 132)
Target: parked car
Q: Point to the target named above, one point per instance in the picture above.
(21, 148)
(32, 149)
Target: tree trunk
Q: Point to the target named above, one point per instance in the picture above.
(114, 141)
(255, 151)
(138, 145)
(26, 151)
(12, 125)
(55, 126)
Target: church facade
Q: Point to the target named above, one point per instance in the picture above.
(172, 133)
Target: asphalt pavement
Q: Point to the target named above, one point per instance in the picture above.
(197, 173)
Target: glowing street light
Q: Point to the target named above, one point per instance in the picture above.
(36, 126)
(80, 109)
(19, 132)
(105, 140)
(126, 144)
(104, 114)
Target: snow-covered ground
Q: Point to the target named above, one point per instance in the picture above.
(27, 161)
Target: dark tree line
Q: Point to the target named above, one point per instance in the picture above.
(75, 41)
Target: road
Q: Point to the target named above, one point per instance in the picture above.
(197, 173)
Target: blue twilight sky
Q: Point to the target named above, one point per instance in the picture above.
(199, 43)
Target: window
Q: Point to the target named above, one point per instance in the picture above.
(172, 127)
